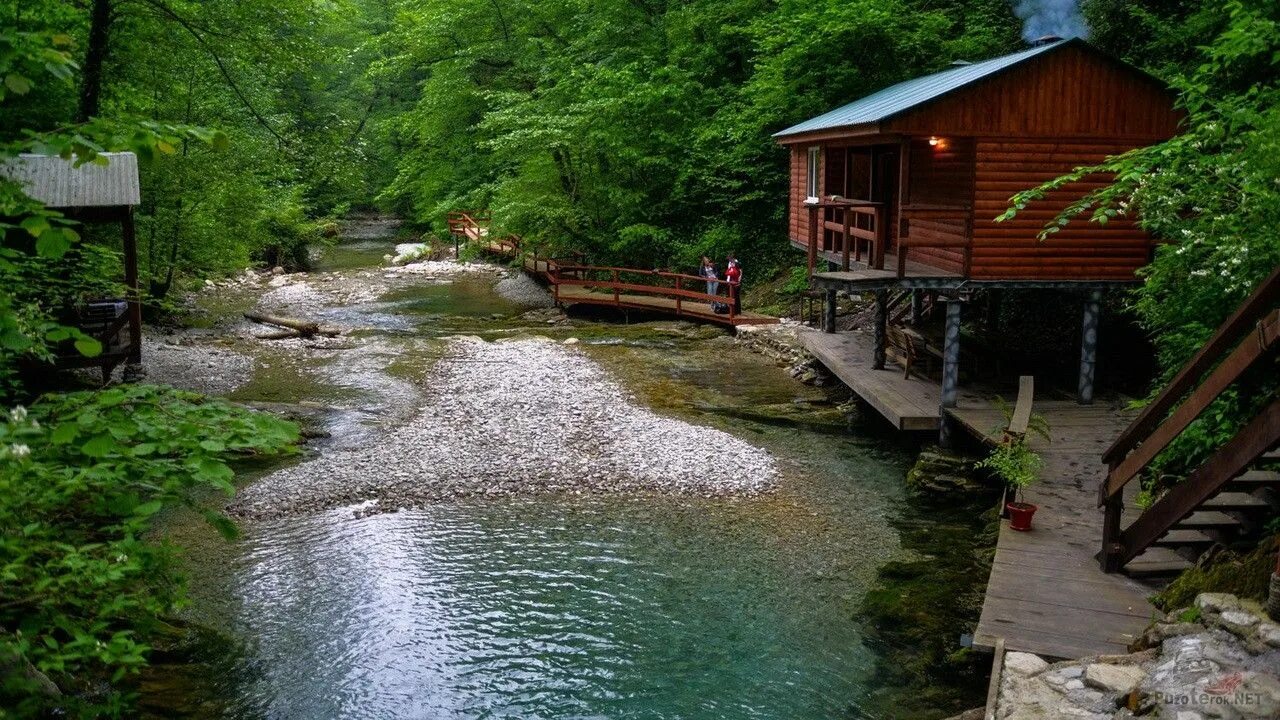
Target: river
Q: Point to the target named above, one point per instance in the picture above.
(551, 605)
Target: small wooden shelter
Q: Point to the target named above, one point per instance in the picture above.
(89, 194)
(899, 191)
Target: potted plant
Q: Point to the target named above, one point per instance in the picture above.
(1014, 462)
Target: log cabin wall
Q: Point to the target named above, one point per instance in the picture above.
(798, 220)
(939, 175)
(1083, 250)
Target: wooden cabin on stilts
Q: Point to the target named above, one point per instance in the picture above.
(896, 195)
(93, 194)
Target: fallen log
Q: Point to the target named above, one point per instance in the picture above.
(303, 328)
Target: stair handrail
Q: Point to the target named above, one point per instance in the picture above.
(1263, 298)
(1251, 335)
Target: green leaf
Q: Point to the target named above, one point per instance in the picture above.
(64, 433)
(144, 449)
(222, 523)
(17, 83)
(147, 509)
(88, 347)
(213, 446)
(36, 225)
(99, 446)
(54, 243)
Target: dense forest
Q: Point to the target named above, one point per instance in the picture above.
(629, 129)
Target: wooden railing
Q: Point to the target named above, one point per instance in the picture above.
(614, 284)
(459, 221)
(1249, 337)
(846, 215)
(858, 222)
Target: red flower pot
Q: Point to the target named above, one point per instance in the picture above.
(1020, 515)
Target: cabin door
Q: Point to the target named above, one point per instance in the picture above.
(884, 187)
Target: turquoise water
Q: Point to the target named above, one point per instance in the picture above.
(578, 607)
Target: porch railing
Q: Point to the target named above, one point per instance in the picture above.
(614, 284)
(859, 223)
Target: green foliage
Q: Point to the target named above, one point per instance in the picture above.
(82, 478)
(640, 131)
(1015, 463)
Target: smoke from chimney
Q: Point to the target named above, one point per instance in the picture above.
(1050, 17)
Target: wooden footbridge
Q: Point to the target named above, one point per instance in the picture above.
(574, 282)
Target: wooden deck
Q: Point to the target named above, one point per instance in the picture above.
(911, 403)
(1046, 594)
(859, 273)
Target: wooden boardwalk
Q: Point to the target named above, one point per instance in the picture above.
(908, 403)
(570, 289)
(1047, 594)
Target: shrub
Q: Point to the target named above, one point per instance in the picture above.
(82, 479)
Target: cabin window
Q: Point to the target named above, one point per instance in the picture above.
(812, 186)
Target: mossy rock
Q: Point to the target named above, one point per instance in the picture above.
(938, 472)
(1245, 575)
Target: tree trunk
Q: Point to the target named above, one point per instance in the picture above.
(304, 327)
(94, 58)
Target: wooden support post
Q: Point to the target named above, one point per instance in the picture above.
(917, 306)
(1089, 347)
(950, 370)
(813, 237)
(881, 330)
(679, 289)
(829, 312)
(616, 299)
(131, 282)
(848, 229)
(882, 236)
(1109, 558)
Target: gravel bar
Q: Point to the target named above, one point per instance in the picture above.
(516, 417)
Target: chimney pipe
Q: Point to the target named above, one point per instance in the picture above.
(1045, 40)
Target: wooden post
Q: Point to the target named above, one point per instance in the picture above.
(679, 288)
(131, 282)
(1089, 347)
(917, 306)
(616, 299)
(1109, 558)
(848, 225)
(882, 235)
(829, 312)
(950, 370)
(813, 237)
(881, 329)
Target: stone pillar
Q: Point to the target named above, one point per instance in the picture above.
(829, 312)
(950, 370)
(881, 328)
(1089, 347)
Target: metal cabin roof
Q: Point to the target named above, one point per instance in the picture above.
(906, 95)
(59, 184)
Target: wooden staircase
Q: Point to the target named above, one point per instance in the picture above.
(1236, 490)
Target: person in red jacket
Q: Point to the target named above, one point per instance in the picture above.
(733, 273)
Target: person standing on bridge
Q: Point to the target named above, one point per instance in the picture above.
(733, 274)
(708, 271)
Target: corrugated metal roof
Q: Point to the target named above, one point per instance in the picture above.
(906, 95)
(59, 184)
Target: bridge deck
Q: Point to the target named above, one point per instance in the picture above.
(1046, 593)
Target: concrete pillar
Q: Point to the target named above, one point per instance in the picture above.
(829, 312)
(1089, 347)
(881, 329)
(950, 370)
